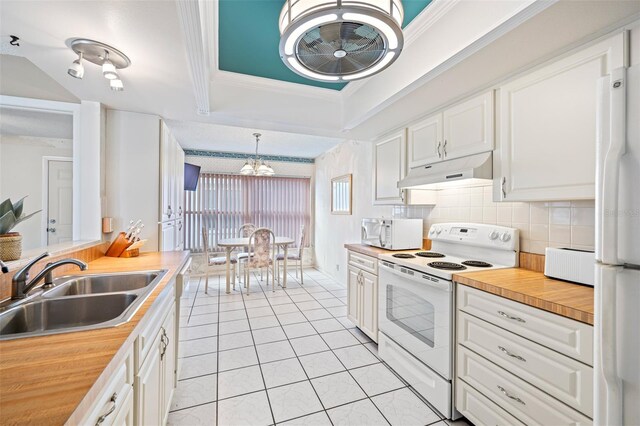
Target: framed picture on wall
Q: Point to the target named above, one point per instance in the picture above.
(341, 195)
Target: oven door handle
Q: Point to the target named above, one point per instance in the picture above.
(417, 277)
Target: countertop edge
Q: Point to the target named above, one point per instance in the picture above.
(86, 403)
(527, 299)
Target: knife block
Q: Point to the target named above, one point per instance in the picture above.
(118, 246)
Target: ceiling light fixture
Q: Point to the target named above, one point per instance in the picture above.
(76, 69)
(255, 166)
(107, 57)
(340, 40)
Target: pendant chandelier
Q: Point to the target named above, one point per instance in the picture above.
(340, 40)
(255, 166)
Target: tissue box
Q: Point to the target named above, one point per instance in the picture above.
(577, 266)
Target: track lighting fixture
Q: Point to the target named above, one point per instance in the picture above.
(76, 69)
(108, 58)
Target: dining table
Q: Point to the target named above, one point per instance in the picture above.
(231, 243)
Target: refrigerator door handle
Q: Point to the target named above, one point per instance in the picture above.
(611, 147)
(608, 398)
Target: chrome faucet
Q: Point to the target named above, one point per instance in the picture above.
(20, 288)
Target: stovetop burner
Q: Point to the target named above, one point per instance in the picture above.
(403, 255)
(429, 254)
(477, 263)
(449, 266)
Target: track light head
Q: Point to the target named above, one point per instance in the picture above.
(76, 69)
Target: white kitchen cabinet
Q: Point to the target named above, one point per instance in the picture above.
(369, 303)
(168, 235)
(468, 127)
(353, 295)
(362, 294)
(424, 141)
(178, 172)
(148, 385)
(168, 154)
(389, 167)
(547, 127)
(169, 359)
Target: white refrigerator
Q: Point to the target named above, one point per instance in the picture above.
(617, 285)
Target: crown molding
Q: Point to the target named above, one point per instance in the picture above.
(272, 85)
(239, 155)
(193, 21)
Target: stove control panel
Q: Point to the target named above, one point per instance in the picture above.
(476, 234)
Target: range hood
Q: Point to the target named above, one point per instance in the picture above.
(477, 166)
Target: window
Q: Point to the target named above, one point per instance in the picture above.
(223, 203)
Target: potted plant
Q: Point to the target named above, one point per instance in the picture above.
(11, 242)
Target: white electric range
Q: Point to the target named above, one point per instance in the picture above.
(416, 302)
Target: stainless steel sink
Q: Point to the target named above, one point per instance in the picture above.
(77, 303)
(95, 284)
(55, 314)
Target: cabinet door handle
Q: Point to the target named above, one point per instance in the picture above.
(169, 211)
(503, 185)
(103, 417)
(165, 343)
(515, 398)
(518, 357)
(438, 149)
(510, 317)
(444, 148)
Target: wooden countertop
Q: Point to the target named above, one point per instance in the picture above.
(534, 289)
(369, 250)
(43, 380)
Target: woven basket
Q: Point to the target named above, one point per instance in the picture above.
(10, 246)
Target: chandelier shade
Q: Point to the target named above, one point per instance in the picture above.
(255, 166)
(340, 40)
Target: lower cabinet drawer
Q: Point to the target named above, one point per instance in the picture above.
(479, 409)
(564, 335)
(116, 396)
(520, 399)
(364, 262)
(560, 376)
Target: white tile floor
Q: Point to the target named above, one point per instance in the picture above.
(285, 357)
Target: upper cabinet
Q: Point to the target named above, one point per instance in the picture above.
(389, 166)
(468, 127)
(547, 127)
(463, 129)
(171, 176)
(425, 141)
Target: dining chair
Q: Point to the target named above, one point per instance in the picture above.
(261, 255)
(295, 256)
(244, 231)
(216, 259)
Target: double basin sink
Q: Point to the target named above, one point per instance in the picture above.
(81, 302)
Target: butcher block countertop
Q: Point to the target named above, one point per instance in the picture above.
(43, 380)
(534, 289)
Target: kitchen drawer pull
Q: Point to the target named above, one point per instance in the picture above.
(515, 398)
(518, 357)
(103, 417)
(510, 317)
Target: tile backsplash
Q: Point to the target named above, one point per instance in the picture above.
(541, 224)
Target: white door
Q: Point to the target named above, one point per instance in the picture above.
(369, 305)
(468, 127)
(149, 395)
(389, 167)
(169, 361)
(424, 141)
(60, 202)
(547, 131)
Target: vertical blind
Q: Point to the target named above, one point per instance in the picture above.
(224, 202)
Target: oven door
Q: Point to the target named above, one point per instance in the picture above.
(372, 231)
(415, 310)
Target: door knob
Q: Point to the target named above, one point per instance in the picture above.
(52, 221)
(51, 229)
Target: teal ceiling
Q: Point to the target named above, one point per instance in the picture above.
(249, 37)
